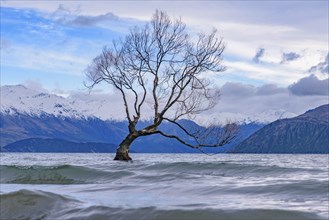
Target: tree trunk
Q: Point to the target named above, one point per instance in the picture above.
(123, 149)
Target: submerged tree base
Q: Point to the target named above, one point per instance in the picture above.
(123, 156)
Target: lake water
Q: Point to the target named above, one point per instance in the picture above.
(164, 186)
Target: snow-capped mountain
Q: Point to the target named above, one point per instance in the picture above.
(264, 117)
(306, 133)
(270, 116)
(19, 99)
(80, 118)
(27, 113)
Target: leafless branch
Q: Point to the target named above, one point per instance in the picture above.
(163, 62)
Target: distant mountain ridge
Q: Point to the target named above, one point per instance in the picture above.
(307, 133)
(15, 127)
(53, 145)
(319, 114)
(22, 100)
(31, 115)
(28, 114)
(19, 129)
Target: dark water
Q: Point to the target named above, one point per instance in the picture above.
(163, 186)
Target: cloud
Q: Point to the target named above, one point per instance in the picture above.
(270, 89)
(233, 89)
(322, 67)
(92, 20)
(45, 61)
(287, 57)
(69, 17)
(259, 54)
(35, 85)
(267, 73)
(85, 30)
(240, 101)
(73, 18)
(310, 85)
(241, 90)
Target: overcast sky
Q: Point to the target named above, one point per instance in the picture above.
(276, 54)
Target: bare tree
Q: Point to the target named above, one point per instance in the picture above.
(164, 63)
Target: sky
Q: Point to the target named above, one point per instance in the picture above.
(276, 51)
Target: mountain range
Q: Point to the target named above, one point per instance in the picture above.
(28, 116)
(33, 102)
(34, 121)
(307, 133)
(51, 145)
(17, 130)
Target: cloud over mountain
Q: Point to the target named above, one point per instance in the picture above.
(240, 101)
(310, 85)
(322, 67)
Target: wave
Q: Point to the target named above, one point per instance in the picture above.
(63, 174)
(28, 204)
(102, 212)
(225, 169)
(158, 172)
(301, 190)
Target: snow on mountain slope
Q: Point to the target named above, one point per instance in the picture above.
(82, 105)
(20, 99)
(27, 101)
(265, 117)
(103, 106)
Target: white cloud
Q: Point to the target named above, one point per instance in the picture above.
(23, 56)
(263, 103)
(35, 85)
(268, 73)
(277, 26)
(322, 68)
(68, 17)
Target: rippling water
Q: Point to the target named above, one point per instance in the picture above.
(163, 186)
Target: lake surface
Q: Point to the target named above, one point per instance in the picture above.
(164, 186)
